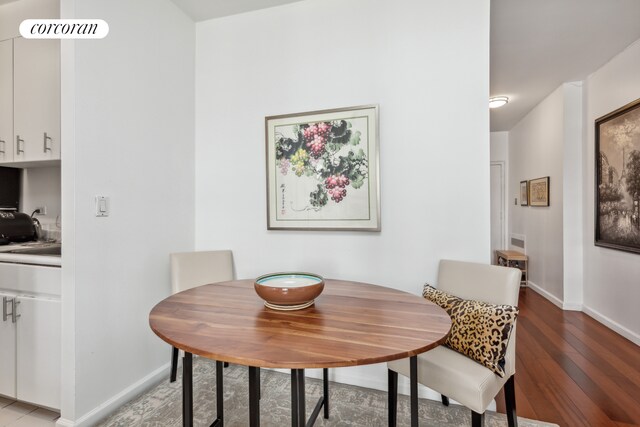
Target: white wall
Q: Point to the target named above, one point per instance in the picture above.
(611, 277)
(128, 133)
(535, 151)
(499, 146)
(572, 181)
(426, 63)
(41, 187)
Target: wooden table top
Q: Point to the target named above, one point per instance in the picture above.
(350, 324)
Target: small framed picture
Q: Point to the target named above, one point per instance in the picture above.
(539, 192)
(524, 193)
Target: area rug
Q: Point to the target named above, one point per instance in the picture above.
(349, 405)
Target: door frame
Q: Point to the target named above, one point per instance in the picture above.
(503, 201)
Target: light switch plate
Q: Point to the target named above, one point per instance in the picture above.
(102, 206)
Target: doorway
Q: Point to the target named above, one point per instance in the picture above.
(498, 208)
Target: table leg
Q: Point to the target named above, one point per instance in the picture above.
(294, 398)
(187, 390)
(392, 396)
(413, 367)
(325, 389)
(219, 421)
(174, 364)
(298, 412)
(254, 396)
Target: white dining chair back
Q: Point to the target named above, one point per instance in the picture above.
(191, 269)
(480, 282)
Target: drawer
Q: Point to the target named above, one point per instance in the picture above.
(31, 279)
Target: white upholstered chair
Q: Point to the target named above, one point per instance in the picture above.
(452, 374)
(191, 269)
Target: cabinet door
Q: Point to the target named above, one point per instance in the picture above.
(7, 353)
(36, 67)
(6, 101)
(38, 347)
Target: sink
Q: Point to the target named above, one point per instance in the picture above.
(39, 250)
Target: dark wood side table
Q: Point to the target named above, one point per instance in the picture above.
(350, 324)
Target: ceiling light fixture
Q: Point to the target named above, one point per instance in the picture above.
(498, 101)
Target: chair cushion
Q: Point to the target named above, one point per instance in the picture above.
(479, 330)
(455, 375)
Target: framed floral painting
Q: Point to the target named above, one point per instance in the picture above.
(617, 189)
(323, 171)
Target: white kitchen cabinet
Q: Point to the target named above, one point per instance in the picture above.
(36, 99)
(30, 343)
(38, 346)
(6, 101)
(7, 348)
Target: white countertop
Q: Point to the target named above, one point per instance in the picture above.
(54, 261)
(49, 260)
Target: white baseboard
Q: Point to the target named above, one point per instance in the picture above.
(369, 376)
(103, 410)
(615, 326)
(572, 306)
(554, 299)
(625, 332)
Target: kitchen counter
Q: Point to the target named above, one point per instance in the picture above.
(27, 256)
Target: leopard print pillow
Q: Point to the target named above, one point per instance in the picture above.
(479, 330)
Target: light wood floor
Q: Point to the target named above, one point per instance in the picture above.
(572, 370)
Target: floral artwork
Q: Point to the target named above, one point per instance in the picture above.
(618, 179)
(322, 170)
(318, 151)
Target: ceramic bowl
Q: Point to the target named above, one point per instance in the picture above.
(289, 291)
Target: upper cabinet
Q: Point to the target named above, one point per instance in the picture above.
(6, 101)
(29, 88)
(36, 99)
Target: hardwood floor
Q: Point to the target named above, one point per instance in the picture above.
(572, 370)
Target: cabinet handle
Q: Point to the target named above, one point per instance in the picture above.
(19, 145)
(47, 142)
(14, 314)
(6, 301)
(3, 144)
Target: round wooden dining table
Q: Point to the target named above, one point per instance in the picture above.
(350, 324)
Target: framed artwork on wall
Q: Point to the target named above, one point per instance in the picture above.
(539, 192)
(524, 193)
(323, 170)
(617, 187)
